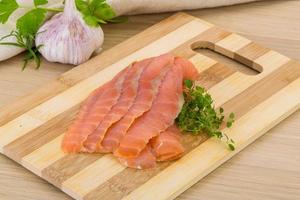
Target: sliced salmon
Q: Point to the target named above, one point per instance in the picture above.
(145, 160)
(126, 99)
(189, 71)
(162, 114)
(167, 145)
(147, 90)
(95, 107)
(133, 114)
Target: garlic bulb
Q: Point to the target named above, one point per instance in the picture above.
(66, 38)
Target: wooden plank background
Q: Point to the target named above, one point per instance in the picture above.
(290, 167)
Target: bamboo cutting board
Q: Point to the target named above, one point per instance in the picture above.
(32, 128)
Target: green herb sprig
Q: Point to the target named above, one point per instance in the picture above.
(27, 27)
(198, 114)
(97, 11)
(25, 42)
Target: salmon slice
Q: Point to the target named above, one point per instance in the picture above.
(165, 109)
(162, 114)
(147, 90)
(189, 71)
(95, 107)
(145, 160)
(167, 145)
(128, 94)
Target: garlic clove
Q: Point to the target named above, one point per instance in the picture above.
(66, 38)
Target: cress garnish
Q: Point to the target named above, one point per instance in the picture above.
(198, 114)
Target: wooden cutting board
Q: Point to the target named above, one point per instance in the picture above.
(31, 129)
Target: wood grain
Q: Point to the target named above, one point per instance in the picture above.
(257, 159)
(42, 135)
(84, 176)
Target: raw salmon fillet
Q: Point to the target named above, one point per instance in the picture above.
(145, 160)
(189, 71)
(147, 90)
(167, 145)
(128, 94)
(96, 106)
(162, 114)
(133, 114)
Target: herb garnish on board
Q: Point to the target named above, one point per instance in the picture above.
(199, 116)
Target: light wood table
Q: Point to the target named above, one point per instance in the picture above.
(267, 169)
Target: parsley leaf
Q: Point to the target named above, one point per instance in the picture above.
(102, 11)
(29, 23)
(7, 7)
(91, 20)
(198, 114)
(27, 27)
(188, 84)
(82, 6)
(26, 42)
(97, 11)
(40, 2)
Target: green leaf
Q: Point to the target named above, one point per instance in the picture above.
(231, 147)
(97, 11)
(40, 2)
(101, 21)
(198, 114)
(7, 7)
(29, 23)
(102, 10)
(221, 110)
(83, 7)
(94, 4)
(91, 20)
(188, 83)
(229, 124)
(120, 19)
(28, 44)
(11, 44)
(218, 134)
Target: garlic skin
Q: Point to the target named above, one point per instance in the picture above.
(66, 38)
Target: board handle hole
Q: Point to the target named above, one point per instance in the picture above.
(207, 49)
